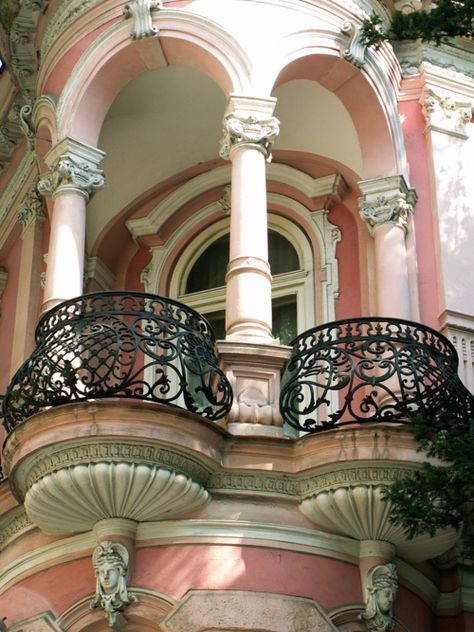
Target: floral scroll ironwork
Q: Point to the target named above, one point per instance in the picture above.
(116, 344)
(370, 370)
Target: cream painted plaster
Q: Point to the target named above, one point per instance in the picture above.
(164, 121)
(314, 120)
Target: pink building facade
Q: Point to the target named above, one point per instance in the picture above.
(253, 163)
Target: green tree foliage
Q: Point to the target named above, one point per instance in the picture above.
(439, 496)
(447, 18)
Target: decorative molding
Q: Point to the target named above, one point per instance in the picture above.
(45, 622)
(225, 200)
(73, 167)
(3, 280)
(13, 525)
(382, 589)
(10, 131)
(249, 122)
(97, 450)
(31, 209)
(386, 201)
(26, 124)
(444, 114)
(44, 274)
(323, 191)
(111, 566)
(225, 610)
(329, 236)
(74, 498)
(355, 51)
(16, 183)
(96, 269)
(141, 12)
(62, 16)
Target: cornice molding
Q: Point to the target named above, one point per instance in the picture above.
(14, 524)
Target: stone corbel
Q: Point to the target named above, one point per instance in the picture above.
(386, 201)
(26, 124)
(254, 373)
(141, 12)
(110, 561)
(73, 167)
(444, 114)
(355, 51)
(249, 121)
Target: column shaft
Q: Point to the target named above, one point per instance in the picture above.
(249, 309)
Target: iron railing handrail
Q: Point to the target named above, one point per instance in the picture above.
(120, 344)
(370, 370)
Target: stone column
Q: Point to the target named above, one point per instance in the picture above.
(385, 206)
(31, 217)
(249, 131)
(73, 176)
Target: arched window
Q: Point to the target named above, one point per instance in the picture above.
(204, 284)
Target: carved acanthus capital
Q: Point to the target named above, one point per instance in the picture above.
(73, 167)
(110, 562)
(382, 588)
(444, 114)
(386, 201)
(141, 12)
(31, 209)
(240, 129)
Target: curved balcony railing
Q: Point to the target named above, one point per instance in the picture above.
(370, 370)
(117, 344)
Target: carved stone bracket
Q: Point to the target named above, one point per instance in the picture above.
(110, 561)
(31, 209)
(73, 167)
(444, 114)
(249, 122)
(382, 588)
(386, 201)
(141, 12)
(355, 51)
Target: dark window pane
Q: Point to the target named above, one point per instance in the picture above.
(210, 268)
(284, 318)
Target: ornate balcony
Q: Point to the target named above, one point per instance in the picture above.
(116, 344)
(370, 370)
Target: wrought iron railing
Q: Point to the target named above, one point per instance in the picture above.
(370, 370)
(117, 344)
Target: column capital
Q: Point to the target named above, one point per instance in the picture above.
(386, 201)
(73, 167)
(443, 114)
(249, 121)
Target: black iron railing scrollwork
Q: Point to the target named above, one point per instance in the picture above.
(117, 344)
(370, 370)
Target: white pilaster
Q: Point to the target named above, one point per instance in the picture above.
(73, 176)
(249, 131)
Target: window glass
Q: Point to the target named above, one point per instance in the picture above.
(210, 268)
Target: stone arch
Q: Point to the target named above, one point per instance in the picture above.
(316, 55)
(99, 76)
